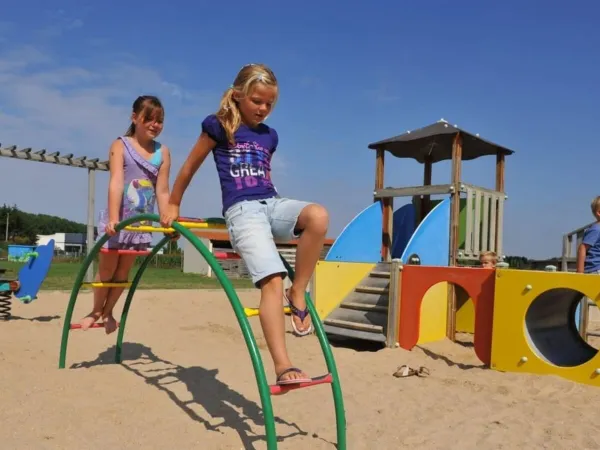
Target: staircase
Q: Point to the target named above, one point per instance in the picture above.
(363, 313)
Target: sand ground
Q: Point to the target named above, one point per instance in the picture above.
(187, 382)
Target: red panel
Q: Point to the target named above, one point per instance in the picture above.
(477, 282)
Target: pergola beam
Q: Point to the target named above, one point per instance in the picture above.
(92, 165)
(53, 158)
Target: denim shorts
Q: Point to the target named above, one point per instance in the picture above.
(255, 225)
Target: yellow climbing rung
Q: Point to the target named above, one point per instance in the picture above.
(107, 284)
(190, 225)
(251, 312)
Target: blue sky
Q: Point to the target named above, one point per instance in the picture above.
(523, 74)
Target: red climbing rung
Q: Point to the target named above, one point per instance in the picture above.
(277, 389)
(77, 326)
(125, 252)
(226, 255)
(191, 220)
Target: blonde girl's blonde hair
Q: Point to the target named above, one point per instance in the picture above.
(229, 113)
(595, 205)
(491, 254)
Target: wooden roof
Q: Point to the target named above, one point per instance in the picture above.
(434, 143)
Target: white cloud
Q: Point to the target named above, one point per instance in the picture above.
(80, 109)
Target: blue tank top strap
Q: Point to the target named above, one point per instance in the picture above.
(157, 157)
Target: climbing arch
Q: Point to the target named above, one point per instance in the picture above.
(265, 391)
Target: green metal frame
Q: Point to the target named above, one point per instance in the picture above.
(257, 364)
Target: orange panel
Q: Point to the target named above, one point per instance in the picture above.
(477, 282)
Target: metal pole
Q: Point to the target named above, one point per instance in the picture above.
(90, 221)
(6, 232)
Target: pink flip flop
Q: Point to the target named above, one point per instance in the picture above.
(298, 313)
(281, 382)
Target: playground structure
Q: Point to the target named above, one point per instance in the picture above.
(183, 228)
(394, 277)
(29, 279)
(435, 232)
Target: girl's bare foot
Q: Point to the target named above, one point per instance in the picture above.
(90, 319)
(110, 324)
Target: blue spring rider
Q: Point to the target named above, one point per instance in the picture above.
(29, 279)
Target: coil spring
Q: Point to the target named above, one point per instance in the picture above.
(5, 305)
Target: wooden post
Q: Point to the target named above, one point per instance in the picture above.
(454, 224)
(500, 167)
(455, 204)
(386, 203)
(426, 200)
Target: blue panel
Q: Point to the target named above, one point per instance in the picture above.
(403, 228)
(360, 240)
(32, 274)
(431, 240)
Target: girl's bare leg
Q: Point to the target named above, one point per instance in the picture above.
(313, 221)
(272, 321)
(121, 274)
(106, 268)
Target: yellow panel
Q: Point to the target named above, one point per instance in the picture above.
(335, 280)
(515, 292)
(434, 309)
(465, 313)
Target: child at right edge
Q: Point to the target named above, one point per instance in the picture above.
(256, 216)
(588, 253)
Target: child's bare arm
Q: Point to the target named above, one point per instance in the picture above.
(115, 184)
(162, 182)
(581, 254)
(200, 151)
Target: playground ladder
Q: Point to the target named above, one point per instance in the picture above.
(265, 391)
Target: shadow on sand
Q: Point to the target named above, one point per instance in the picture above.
(216, 397)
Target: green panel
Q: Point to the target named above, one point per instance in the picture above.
(462, 220)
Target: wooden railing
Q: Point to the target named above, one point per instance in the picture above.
(569, 251)
(484, 221)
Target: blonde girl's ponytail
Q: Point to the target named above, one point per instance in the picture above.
(229, 115)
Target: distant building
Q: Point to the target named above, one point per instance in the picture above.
(71, 244)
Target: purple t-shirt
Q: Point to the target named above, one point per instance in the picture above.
(245, 169)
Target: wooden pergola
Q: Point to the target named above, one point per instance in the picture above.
(437, 142)
(82, 162)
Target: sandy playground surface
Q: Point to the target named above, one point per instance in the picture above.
(187, 382)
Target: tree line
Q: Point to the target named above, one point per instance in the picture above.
(24, 227)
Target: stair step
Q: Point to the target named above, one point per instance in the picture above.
(368, 318)
(376, 282)
(371, 289)
(383, 266)
(379, 274)
(364, 307)
(367, 298)
(334, 331)
(354, 325)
